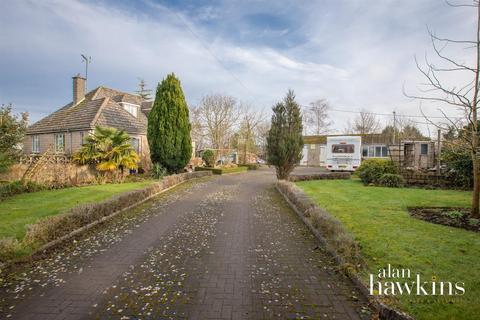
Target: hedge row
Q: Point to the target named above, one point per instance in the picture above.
(55, 227)
(222, 170)
(250, 166)
(336, 238)
(320, 176)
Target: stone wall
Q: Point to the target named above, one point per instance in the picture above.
(425, 179)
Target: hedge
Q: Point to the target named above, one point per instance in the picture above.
(56, 228)
(222, 170)
(336, 237)
(320, 176)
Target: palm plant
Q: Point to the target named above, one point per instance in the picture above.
(108, 149)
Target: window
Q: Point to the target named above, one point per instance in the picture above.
(135, 142)
(131, 108)
(384, 152)
(375, 151)
(343, 148)
(365, 151)
(82, 138)
(60, 142)
(35, 144)
(424, 149)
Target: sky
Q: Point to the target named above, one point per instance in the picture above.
(357, 54)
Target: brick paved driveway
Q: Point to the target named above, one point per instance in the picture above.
(222, 248)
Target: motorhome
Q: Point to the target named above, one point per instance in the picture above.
(344, 153)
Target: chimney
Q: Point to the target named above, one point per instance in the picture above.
(78, 88)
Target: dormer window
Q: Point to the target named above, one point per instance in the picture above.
(131, 108)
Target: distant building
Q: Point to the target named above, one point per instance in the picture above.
(415, 154)
(64, 130)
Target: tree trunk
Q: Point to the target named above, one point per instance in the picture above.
(476, 175)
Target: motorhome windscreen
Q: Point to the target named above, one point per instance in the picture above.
(343, 148)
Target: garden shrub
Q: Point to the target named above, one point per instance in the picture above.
(371, 170)
(222, 170)
(158, 172)
(209, 157)
(250, 166)
(459, 164)
(8, 248)
(320, 176)
(391, 180)
(17, 187)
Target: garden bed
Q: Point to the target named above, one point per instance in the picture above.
(448, 216)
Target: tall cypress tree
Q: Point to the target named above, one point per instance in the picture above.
(284, 140)
(169, 126)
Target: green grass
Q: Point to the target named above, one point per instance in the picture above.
(19, 211)
(379, 220)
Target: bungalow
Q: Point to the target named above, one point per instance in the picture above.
(64, 130)
(417, 154)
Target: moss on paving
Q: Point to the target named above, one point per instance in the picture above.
(379, 219)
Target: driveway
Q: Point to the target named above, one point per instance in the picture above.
(225, 247)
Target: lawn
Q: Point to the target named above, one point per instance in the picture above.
(19, 211)
(379, 220)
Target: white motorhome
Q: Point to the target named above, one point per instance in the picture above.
(344, 153)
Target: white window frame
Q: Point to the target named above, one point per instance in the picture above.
(58, 135)
(137, 147)
(35, 144)
(372, 150)
(131, 108)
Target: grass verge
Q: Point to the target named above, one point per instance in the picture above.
(19, 211)
(379, 220)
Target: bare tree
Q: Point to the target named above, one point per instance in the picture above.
(316, 117)
(364, 123)
(261, 138)
(218, 115)
(198, 129)
(251, 119)
(460, 96)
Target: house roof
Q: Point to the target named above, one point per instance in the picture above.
(101, 106)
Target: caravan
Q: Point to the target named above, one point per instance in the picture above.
(343, 153)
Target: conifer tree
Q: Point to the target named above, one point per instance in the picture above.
(169, 126)
(285, 141)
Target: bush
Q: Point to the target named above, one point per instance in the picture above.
(209, 157)
(250, 166)
(158, 172)
(391, 180)
(17, 187)
(371, 170)
(222, 170)
(459, 166)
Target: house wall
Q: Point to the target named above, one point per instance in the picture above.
(73, 142)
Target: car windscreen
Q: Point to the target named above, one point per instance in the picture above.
(343, 148)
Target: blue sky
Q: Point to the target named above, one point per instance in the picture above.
(354, 53)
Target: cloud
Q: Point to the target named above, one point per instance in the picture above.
(356, 54)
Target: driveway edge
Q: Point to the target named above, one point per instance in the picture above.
(385, 312)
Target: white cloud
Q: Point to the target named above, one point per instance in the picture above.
(357, 54)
